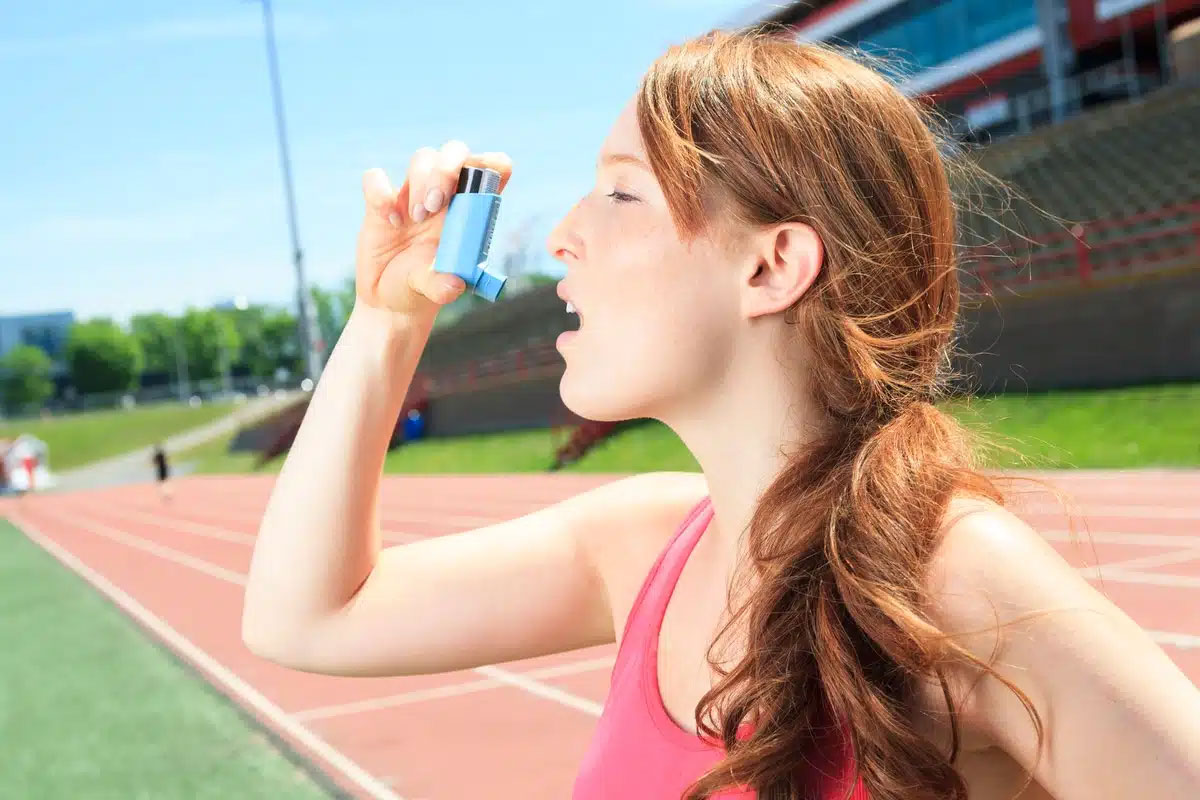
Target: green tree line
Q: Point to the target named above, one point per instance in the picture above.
(199, 344)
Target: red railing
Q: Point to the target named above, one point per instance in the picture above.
(1091, 251)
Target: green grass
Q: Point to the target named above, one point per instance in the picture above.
(214, 457)
(1145, 426)
(1155, 426)
(90, 708)
(78, 439)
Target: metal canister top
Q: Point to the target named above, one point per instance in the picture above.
(478, 180)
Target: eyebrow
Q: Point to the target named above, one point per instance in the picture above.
(623, 158)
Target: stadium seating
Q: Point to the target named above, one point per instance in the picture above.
(1128, 172)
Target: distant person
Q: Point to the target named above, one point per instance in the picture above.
(838, 605)
(29, 461)
(162, 470)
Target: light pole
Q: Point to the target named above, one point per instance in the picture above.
(181, 364)
(303, 302)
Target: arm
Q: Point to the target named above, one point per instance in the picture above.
(324, 596)
(1121, 720)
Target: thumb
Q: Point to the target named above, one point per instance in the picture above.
(440, 287)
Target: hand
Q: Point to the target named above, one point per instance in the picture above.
(399, 236)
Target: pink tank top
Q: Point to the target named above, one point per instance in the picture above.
(638, 752)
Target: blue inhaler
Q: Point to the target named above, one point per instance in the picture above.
(467, 232)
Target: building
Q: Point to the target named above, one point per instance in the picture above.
(47, 331)
(1000, 66)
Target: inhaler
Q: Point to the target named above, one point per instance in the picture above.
(467, 232)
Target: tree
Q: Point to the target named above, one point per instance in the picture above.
(325, 312)
(333, 308)
(102, 357)
(209, 337)
(25, 378)
(155, 334)
(254, 355)
(281, 341)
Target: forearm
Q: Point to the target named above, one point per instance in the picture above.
(319, 537)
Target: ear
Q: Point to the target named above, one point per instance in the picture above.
(785, 259)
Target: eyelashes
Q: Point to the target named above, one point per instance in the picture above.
(620, 197)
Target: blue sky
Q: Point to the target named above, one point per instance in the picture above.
(139, 168)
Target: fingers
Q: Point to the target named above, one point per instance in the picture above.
(432, 178)
(431, 181)
(379, 195)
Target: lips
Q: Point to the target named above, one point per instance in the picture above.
(571, 306)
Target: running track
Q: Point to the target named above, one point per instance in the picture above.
(515, 730)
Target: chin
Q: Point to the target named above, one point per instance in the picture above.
(598, 403)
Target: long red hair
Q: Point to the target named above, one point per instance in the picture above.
(754, 129)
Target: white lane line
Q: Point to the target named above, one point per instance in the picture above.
(436, 693)
(214, 669)
(1090, 510)
(162, 551)
(394, 700)
(1084, 537)
(543, 690)
(1144, 562)
(1184, 641)
(216, 532)
(1150, 579)
(529, 685)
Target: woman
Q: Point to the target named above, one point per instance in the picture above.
(770, 239)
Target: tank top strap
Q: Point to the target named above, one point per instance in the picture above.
(646, 613)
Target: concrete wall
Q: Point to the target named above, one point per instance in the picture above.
(515, 406)
(1125, 332)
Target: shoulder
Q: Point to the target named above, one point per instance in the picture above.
(1055, 645)
(987, 553)
(629, 522)
(1005, 595)
(637, 512)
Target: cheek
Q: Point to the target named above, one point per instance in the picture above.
(657, 340)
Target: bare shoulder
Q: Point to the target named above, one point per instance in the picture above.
(1058, 646)
(620, 519)
(991, 570)
(986, 551)
(626, 523)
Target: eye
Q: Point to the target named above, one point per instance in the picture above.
(620, 197)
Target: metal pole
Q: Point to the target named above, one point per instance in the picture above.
(1129, 57)
(181, 365)
(303, 303)
(1164, 50)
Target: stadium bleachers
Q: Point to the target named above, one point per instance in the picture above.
(1129, 173)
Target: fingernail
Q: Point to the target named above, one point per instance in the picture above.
(433, 200)
(418, 212)
(394, 218)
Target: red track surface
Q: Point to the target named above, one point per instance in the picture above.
(516, 730)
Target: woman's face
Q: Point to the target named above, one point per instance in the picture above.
(657, 315)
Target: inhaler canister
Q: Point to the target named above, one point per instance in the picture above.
(467, 232)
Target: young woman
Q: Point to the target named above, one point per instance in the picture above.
(770, 239)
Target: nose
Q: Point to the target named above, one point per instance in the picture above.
(564, 242)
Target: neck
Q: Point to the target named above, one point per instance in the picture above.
(742, 433)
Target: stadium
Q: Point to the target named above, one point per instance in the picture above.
(1081, 272)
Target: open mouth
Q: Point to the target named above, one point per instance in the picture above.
(573, 313)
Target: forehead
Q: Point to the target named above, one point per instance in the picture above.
(624, 136)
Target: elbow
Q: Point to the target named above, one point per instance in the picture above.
(265, 637)
(261, 640)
